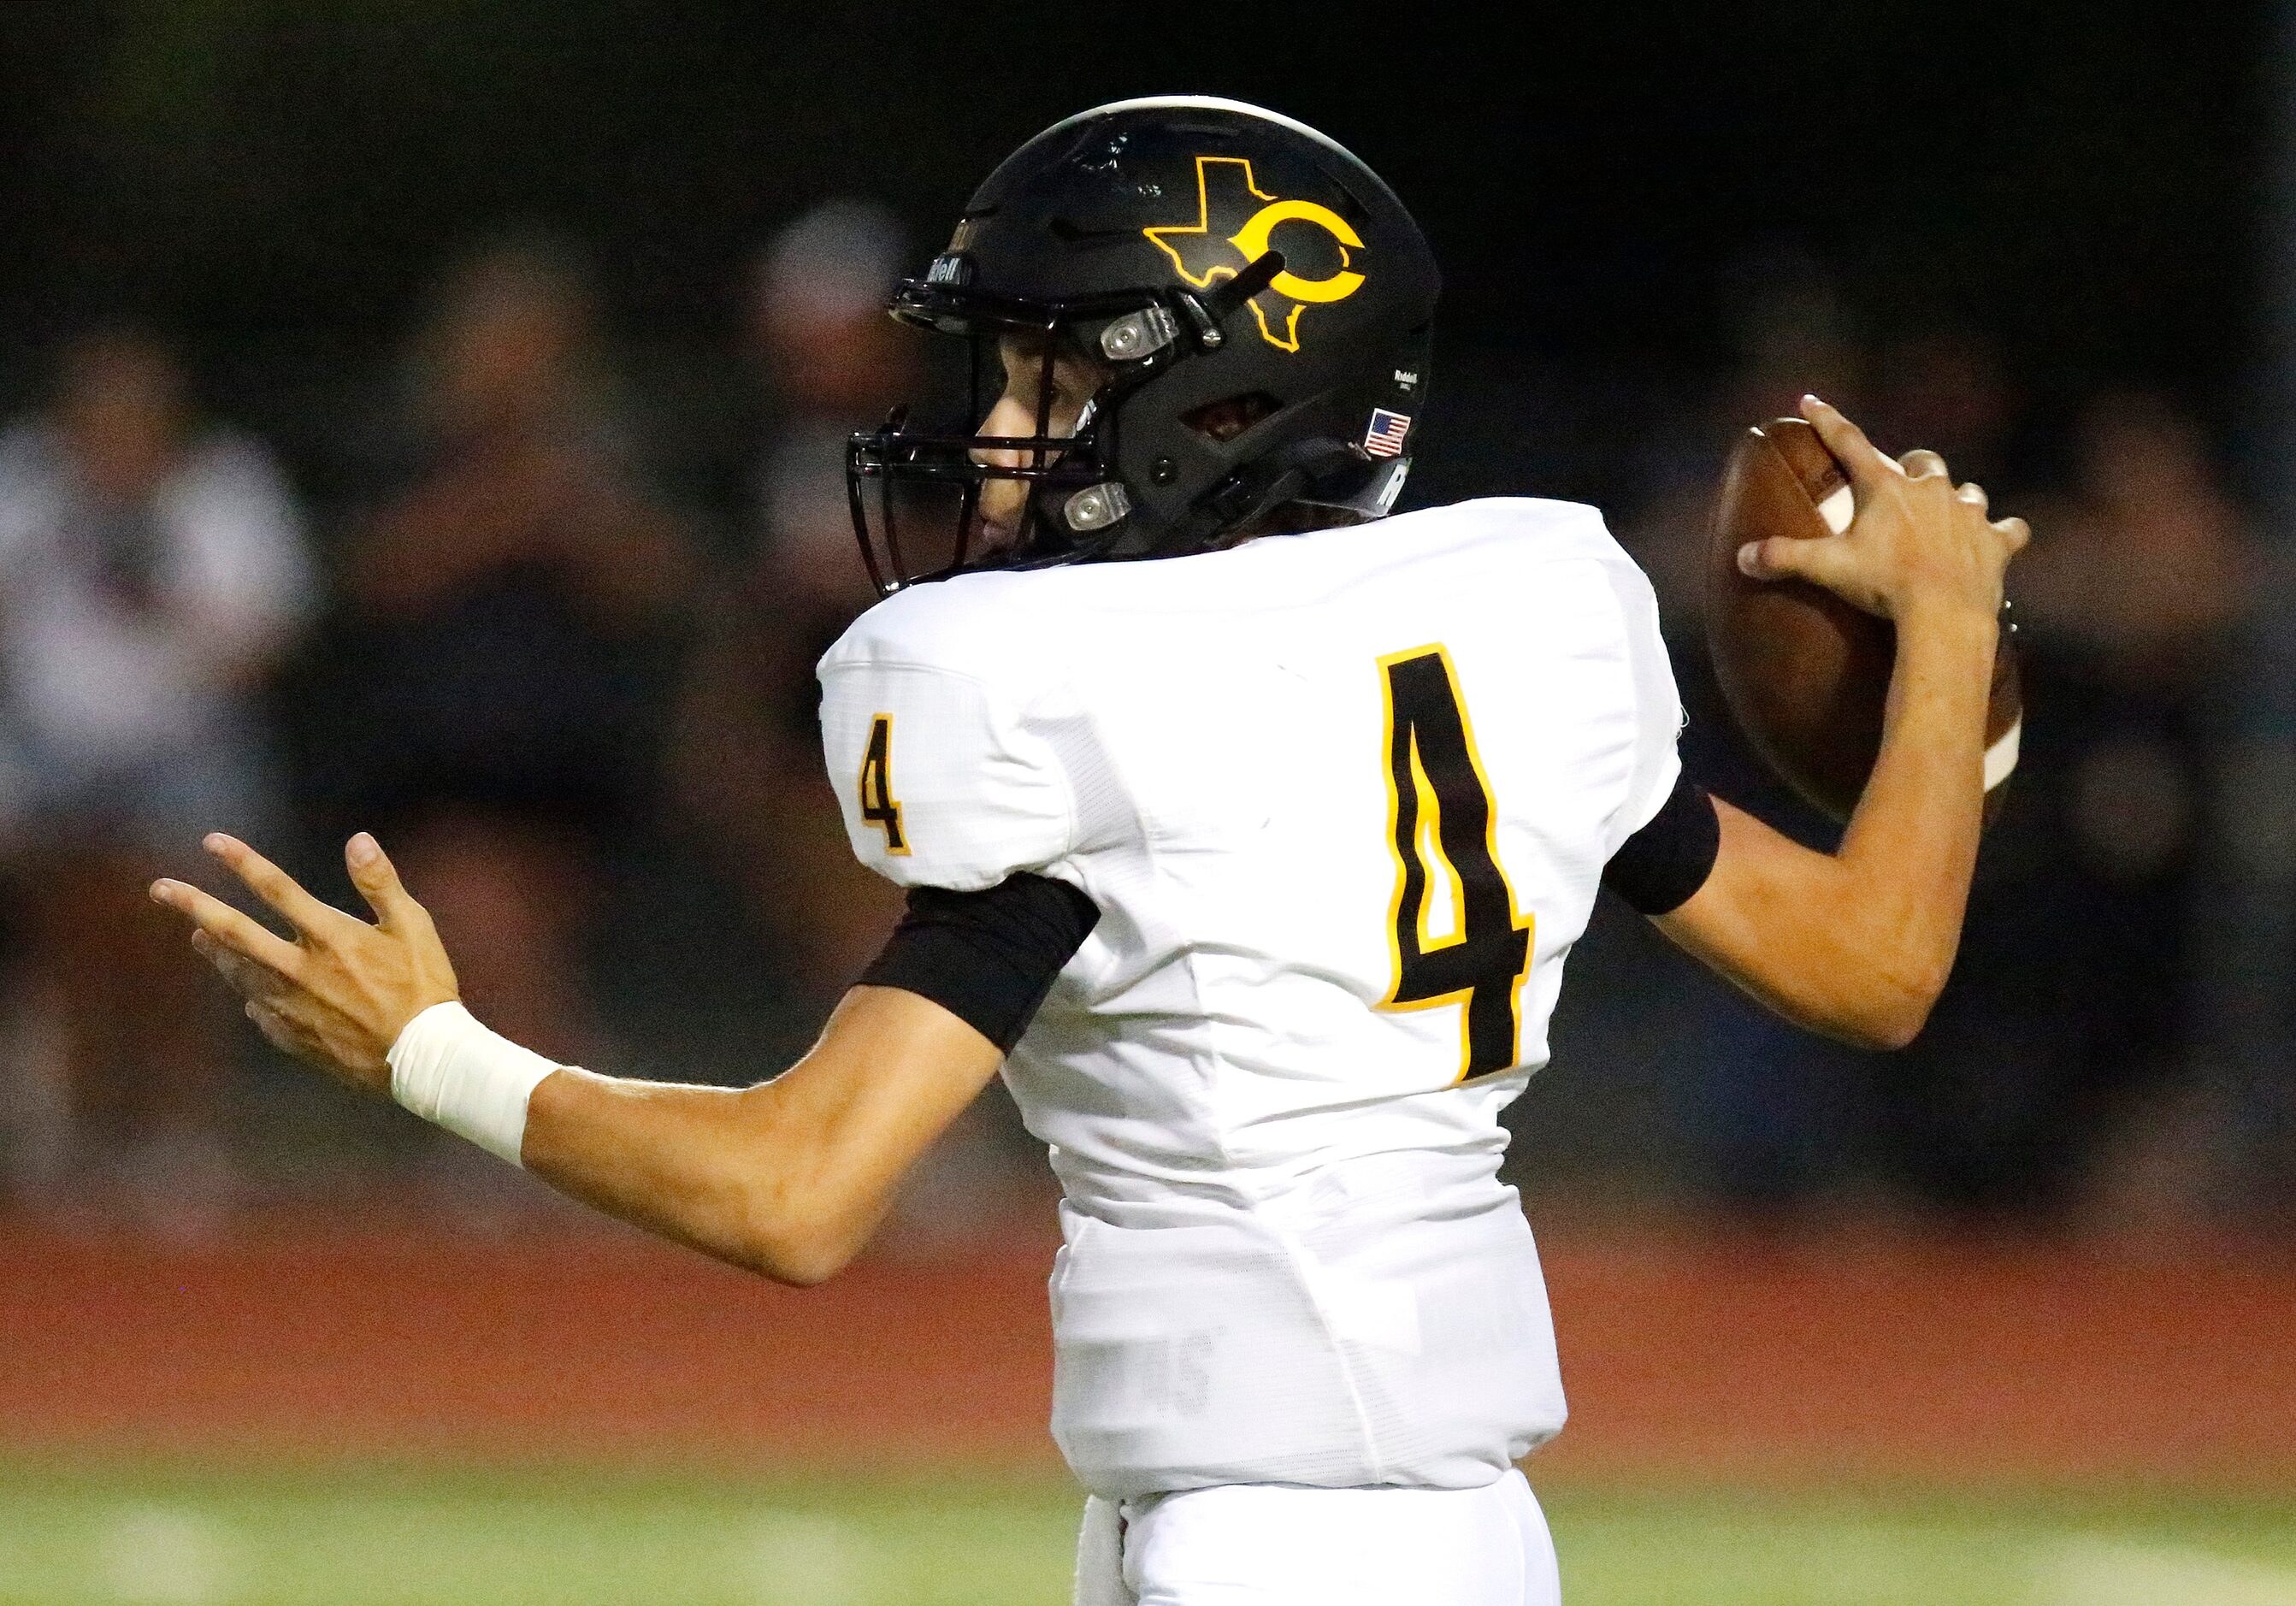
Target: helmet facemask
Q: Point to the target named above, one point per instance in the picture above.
(917, 492)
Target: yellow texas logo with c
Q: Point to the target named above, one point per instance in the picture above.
(1224, 188)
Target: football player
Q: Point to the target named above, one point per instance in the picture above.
(1247, 829)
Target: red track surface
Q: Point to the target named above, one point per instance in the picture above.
(1683, 1356)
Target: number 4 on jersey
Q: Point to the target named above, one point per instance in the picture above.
(1441, 817)
(878, 807)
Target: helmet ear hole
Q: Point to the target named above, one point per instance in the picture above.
(1230, 416)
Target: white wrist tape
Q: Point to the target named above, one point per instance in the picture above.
(448, 1069)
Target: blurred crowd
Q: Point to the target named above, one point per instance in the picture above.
(563, 666)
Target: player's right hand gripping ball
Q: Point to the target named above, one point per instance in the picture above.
(1806, 673)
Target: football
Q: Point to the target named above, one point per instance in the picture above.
(1807, 675)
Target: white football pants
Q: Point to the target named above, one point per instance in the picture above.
(1275, 1545)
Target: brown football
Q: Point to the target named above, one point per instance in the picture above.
(1806, 673)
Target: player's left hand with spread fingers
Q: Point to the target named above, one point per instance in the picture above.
(339, 992)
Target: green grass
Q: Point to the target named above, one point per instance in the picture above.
(74, 1533)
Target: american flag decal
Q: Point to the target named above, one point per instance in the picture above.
(1384, 438)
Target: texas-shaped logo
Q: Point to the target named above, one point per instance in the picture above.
(1227, 196)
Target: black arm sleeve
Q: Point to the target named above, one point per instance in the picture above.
(988, 958)
(1657, 869)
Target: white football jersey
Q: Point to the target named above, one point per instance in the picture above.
(1342, 801)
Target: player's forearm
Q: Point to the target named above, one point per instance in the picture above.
(712, 1168)
(1912, 844)
(788, 1178)
(1856, 944)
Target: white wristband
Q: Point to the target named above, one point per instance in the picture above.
(448, 1069)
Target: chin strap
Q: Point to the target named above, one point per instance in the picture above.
(1306, 470)
(1319, 473)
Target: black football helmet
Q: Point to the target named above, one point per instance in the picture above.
(1215, 261)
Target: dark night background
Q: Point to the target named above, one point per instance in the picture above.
(2073, 178)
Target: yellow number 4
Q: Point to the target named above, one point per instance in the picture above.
(878, 807)
(1441, 816)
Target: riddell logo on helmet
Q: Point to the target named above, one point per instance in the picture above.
(1225, 192)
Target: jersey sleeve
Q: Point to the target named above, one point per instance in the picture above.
(942, 780)
(1655, 763)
